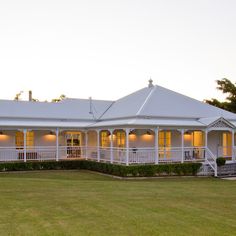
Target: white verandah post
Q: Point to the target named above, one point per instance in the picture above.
(233, 156)
(98, 145)
(25, 133)
(86, 145)
(156, 145)
(57, 144)
(206, 143)
(127, 146)
(111, 146)
(182, 145)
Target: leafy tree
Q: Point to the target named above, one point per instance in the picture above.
(227, 87)
(62, 97)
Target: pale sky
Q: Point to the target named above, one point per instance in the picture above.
(107, 49)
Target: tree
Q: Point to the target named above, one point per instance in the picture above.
(62, 97)
(227, 87)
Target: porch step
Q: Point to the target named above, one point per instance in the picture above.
(228, 169)
(206, 170)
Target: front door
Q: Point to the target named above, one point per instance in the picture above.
(73, 143)
(164, 144)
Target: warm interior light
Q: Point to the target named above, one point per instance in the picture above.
(187, 133)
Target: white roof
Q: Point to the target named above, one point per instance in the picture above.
(151, 106)
(65, 109)
(161, 102)
(43, 123)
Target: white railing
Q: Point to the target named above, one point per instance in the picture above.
(141, 155)
(194, 153)
(211, 160)
(119, 155)
(10, 154)
(116, 155)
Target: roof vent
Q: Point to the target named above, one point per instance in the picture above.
(150, 84)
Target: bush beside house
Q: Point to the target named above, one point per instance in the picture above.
(107, 168)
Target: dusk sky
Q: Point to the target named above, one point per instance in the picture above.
(108, 49)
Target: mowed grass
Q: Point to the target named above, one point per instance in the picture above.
(85, 203)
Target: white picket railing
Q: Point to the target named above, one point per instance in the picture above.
(116, 155)
(141, 155)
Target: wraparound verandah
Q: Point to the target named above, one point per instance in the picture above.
(118, 145)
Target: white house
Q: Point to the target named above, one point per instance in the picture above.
(151, 125)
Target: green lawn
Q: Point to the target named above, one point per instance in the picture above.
(85, 203)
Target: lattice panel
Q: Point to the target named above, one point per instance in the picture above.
(220, 124)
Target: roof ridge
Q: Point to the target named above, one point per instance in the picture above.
(146, 100)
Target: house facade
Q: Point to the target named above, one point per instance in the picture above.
(152, 125)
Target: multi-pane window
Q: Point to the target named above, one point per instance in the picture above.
(165, 144)
(197, 139)
(20, 139)
(227, 143)
(120, 136)
(104, 139)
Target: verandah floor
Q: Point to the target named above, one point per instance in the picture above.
(85, 203)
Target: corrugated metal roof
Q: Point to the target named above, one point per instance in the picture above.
(161, 102)
(66, 109)
(43, 123)
(151, 106)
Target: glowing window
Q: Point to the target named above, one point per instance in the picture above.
(197, 139)
(120, 138)
(227, 142)
(104, 139)
(20, 139)
(164, 144)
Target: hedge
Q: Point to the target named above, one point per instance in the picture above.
(112, 169)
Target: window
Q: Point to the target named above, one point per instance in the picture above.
(20, 139)
(73, 138)
(227, 143)
(164, 144)
(197, 139)
(120, 138)
(104, 139)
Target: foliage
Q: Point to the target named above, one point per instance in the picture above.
(227, 87)
(113, 169)
(62, 97)
(220, 161)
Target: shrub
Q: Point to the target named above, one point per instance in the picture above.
(220, 161)
(113, 169)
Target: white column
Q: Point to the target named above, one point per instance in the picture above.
(98, 145)
(182, 145)
(233, 156)
(25, 132)
(86, 145)
(127, 145)
(156, 145)
(206, 143)
(57, 144)
(111, 146)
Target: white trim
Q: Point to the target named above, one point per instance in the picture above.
(146, 100)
